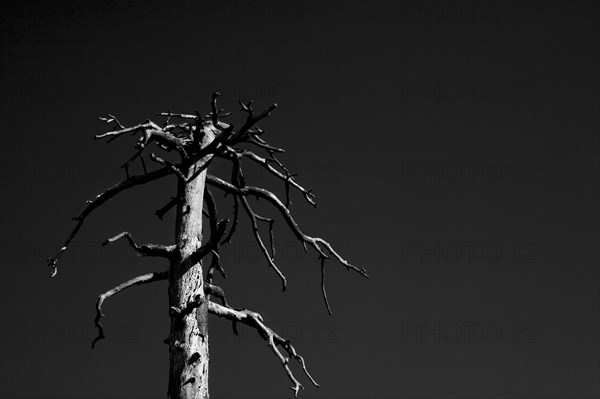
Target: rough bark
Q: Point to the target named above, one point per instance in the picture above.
(197, 140)
(188, 338)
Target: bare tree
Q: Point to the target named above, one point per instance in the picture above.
(197, 140)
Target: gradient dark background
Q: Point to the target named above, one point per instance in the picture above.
(381, 103)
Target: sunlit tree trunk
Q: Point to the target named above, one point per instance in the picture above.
(188, 338)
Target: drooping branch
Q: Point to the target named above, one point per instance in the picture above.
(101, 199)
(236, 212)
(318, 244)
(255, 320)
(237, 178)
(138, 154)
(164, 251)
(315, 242)
(160, 213)
(287, 178)
(215, 290)
(253, 217)
(143, 279)
(198, 139)
(322, 259)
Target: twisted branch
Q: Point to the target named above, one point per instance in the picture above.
(210, 289)
(315, 242)
(288, 178)
(188, 138)
(163, 251)
(98, 201)
(143, 279)
(160, 213)
(255, 320)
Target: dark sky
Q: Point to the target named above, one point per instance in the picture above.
(452, 146)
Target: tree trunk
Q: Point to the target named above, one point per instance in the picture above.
(188, 338)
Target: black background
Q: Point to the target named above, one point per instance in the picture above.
(453, 149)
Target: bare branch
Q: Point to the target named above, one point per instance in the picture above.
(251, 119)
(138, 154)
(259, 241)
(112, 118)
(160, 213)
(143, 279)
(182, 116)
(215, 113)
(237, 177)
(287, 178)
(315, 242)
(169, 165)
(151, 132)
(164, 139)
(210, 289)
(236, 211)
(271, 237)
(163, 251)
(221, 138)
(123, 131)
(101, 199)
(264, 145)
(323, 285)
(212, 148)
(273, 340)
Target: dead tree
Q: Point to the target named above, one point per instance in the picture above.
(195, 140)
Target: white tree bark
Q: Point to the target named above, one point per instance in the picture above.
(188, 338)
(197, 141)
